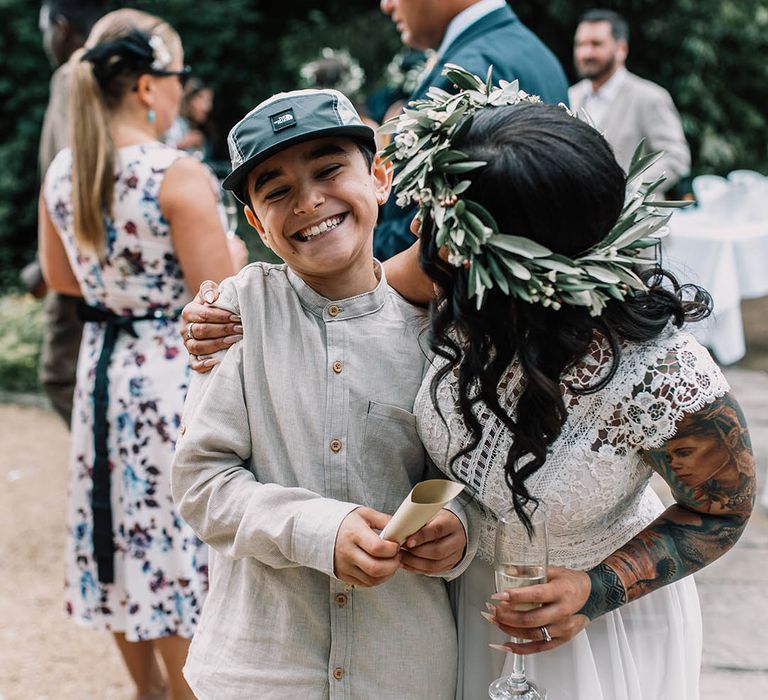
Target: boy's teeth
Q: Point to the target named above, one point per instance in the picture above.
(322, 227)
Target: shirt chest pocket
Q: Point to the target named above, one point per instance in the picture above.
(393, 456)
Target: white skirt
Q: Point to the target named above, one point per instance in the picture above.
(650, 649)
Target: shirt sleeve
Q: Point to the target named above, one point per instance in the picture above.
(218, 494)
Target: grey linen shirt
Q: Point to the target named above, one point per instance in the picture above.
(309, 416)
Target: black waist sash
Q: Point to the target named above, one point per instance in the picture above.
(101, 499)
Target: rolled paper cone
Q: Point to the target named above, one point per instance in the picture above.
(422, 504)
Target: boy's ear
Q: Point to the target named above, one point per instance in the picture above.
(382, 175)
(254, 222)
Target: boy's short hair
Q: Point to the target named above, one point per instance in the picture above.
(286, 119)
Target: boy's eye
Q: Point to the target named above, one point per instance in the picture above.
(329, 170)
(276, 194)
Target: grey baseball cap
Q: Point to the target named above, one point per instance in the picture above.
(284, 120)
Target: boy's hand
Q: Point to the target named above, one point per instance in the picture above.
(207, 330)
(361, 557)
(437, 547)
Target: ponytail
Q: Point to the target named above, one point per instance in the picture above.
(93, 156)
(117, 52)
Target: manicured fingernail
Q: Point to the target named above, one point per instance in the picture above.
(235, 318)
(209, 297)
(500, 596)
(490, 608)
(410, 544)
(210, 363)
(232, 339)
(499, 647)
(487, 616)
(237, 329)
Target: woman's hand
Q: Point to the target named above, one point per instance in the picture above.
(206, 329)
(560, 600)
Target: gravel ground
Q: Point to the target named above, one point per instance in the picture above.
(43, 656)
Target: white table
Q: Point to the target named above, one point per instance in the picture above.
(728, 259)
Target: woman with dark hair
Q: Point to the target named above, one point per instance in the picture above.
(562, 378)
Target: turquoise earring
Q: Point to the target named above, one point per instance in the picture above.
(151, 116)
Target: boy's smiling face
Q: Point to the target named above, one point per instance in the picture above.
(315, 205)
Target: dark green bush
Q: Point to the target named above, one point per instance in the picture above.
(21, 331)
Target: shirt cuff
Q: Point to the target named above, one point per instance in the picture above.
(314, 535)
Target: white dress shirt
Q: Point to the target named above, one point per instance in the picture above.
(598, 102)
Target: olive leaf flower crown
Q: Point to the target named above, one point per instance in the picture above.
(430, 176)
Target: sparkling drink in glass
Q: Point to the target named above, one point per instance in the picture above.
(521, 561)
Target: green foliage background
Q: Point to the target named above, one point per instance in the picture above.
(710, 54)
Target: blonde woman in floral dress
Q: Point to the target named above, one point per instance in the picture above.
(130, 225)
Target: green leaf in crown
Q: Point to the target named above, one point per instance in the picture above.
(432, 174)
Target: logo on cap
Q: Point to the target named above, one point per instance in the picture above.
(282, 120)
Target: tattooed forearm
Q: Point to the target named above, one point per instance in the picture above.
(607, 592)
(710, 468)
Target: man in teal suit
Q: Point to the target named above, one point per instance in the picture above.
(473, 34)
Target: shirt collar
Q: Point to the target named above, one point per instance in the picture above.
(465, 19)
(341, 309)
(609, 89)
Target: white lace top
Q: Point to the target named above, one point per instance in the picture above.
(594, 484)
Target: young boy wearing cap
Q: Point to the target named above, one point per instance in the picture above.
(302, 440)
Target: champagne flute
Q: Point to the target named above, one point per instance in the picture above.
(521, 560)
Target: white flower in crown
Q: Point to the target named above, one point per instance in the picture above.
(424, 196)
(456, 259)
(403, 199)
(406, 142)
(162, 56)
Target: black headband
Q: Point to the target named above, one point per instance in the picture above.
(130, 53)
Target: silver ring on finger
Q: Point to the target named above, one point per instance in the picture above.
(545, 633)
(190, 335)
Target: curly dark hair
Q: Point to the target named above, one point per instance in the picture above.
(551, 178)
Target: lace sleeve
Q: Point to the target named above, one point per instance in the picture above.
(675, 376)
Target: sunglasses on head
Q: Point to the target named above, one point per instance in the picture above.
(183, 75)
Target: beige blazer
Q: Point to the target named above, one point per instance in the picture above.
(640, 110)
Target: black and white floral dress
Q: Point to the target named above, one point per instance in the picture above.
(160, 567)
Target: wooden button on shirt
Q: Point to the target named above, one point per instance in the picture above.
(333, 310)
(337, 367)
(338, 673)
(335, 445)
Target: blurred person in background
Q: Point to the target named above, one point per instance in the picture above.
(193, 130)
(337, 69)
(131, 225)
(625, 107)
(474, 34)
(64, 25)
